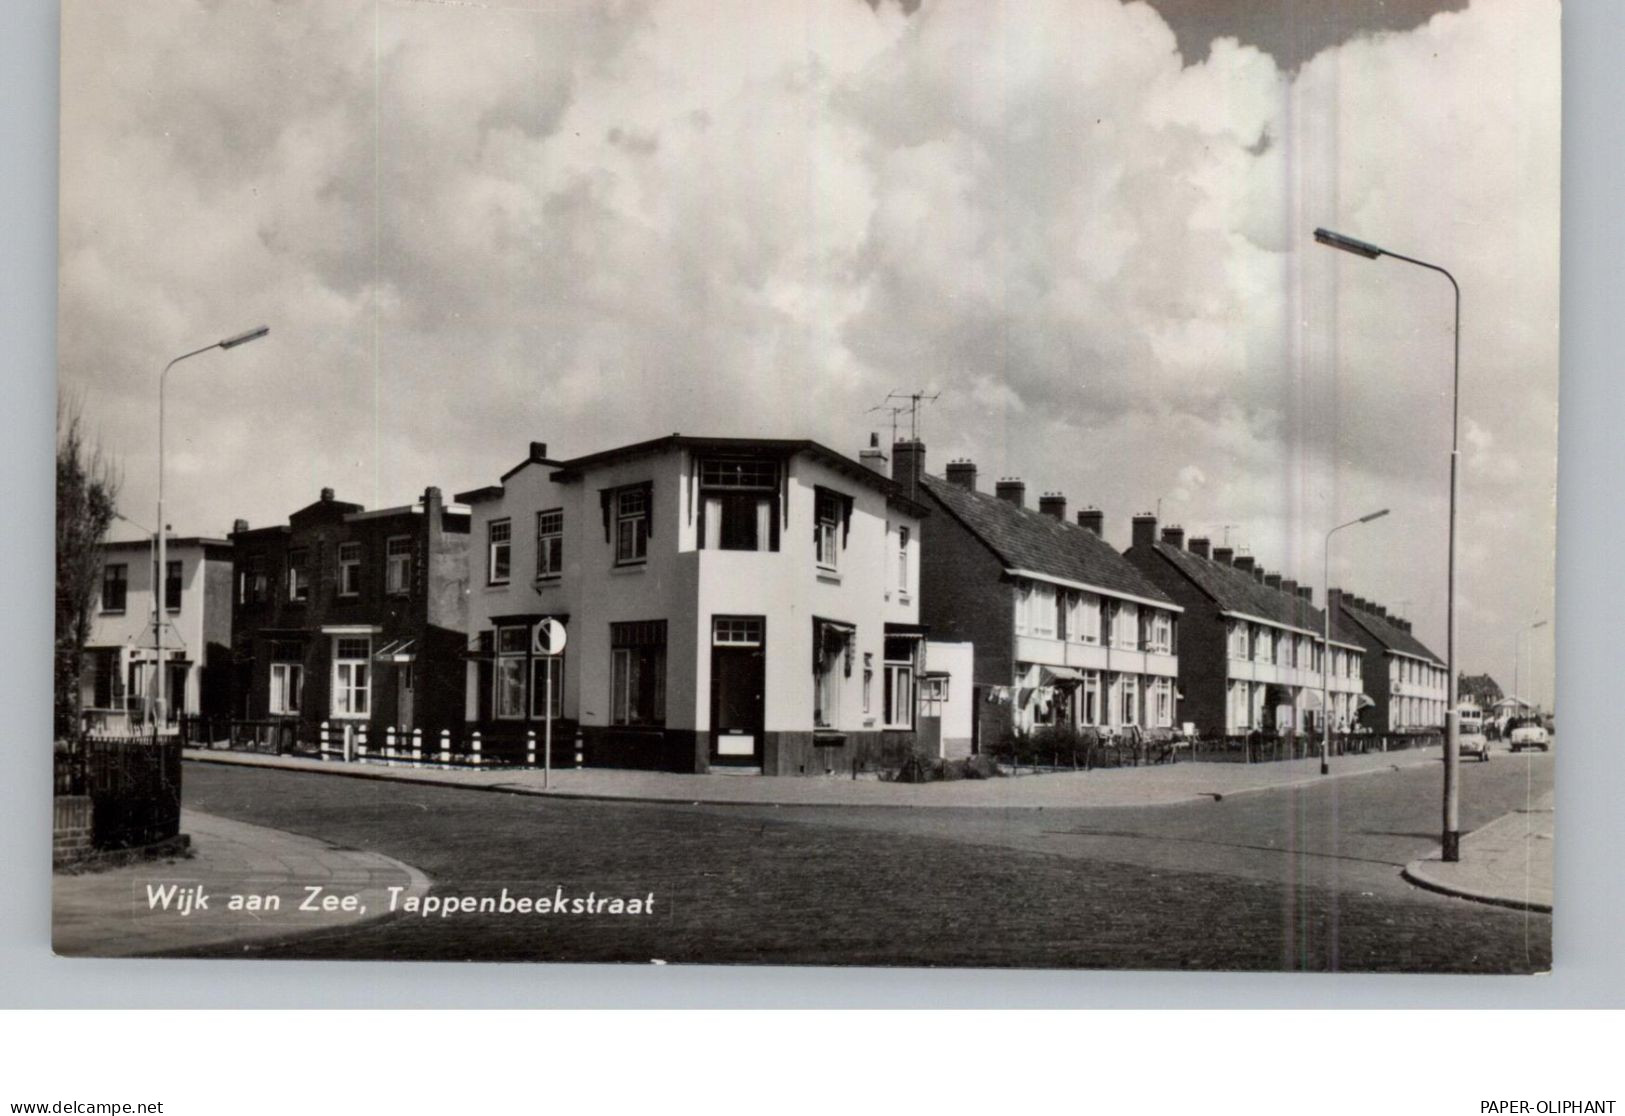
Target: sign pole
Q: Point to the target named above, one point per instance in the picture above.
(547, 732)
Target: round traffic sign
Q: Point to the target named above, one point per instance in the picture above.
(549, 638)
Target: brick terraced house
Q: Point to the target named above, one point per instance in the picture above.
(1408, 683)
(1065, 631)
(1252, 642)
(352, 617)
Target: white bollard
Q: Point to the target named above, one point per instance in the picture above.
(475, 745)
(445, 746)
(417, 747)
(361, 740)
(530, 748)
(580, 746)
(321, 749)
(389, 745)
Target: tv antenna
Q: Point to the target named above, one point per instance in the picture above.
(899, 403)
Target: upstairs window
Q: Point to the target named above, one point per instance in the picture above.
(902, 560)
(1238, 640)
(349, 569)
(298, 575)
(739, 504)
(1160, 636)
(1126, 625)
(115, 587)
(398, 565)
(1041, 613)
(828, 510)
(631, 525)
(172, 585)
(550, 543)
(1083, 618)
(498, 551)
(253, 586)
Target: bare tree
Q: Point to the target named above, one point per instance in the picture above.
(87, 486)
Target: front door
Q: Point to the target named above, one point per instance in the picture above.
(738, 677)
(403, 696)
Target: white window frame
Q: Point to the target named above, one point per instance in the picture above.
(286, 678)
(508, 666)
(299, 575)
(1162, 632)
(349, 569)
(902, 562)
(631, 526)
(1042, 611)
(345, 688)
(502, 546)
(549, 543)
(1024, 593)
(554, 664)
(1126, 626)
(1129, 694)
(827, 531)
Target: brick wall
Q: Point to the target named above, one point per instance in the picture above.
(70, 828)
(1203, 650)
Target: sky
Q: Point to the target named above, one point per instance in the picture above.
(1085, 226)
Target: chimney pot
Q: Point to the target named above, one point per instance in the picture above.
(238, 526)
(1144, 528)
(872, 456)
(1174, 537)
(1224, 555)
(1200, 546)
(1012, 490)
(962, 474)
(1288, 585)
(1092, 519)
(1273, 580)
(1053, 504)
(327, 495)
(538, 451)
(1246, 563)
(1307, 593)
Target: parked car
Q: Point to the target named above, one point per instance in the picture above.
(1470, 737)
(1528, 732)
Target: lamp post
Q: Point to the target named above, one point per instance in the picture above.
(161, 574)
(1326, 647)
(1517, 655)
(1451, 839)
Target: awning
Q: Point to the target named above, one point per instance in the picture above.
(1039, 675)
(397, 651)
(1365, 701)
(906, 631)
(1311, 700)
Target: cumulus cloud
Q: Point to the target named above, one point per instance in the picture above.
(592, 223)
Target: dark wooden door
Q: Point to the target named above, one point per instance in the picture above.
(738, 675)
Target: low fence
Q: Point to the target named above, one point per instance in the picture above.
(351, 742)
(1085, 749)
(133, 783)
(1270, 748)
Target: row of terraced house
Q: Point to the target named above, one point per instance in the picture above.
(749, 605)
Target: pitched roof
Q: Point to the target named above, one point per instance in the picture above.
(1032, 541)
(1238, 591)
(1390, 635)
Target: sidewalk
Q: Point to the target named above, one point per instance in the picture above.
(1507, 862)
(108, 914)
(1161, 785)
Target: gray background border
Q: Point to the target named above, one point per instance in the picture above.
(1589, 969)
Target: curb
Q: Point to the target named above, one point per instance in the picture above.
(1414, 873)
(344, 771)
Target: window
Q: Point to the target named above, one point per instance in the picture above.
(298, 576)
(1041, 611)
(1090, 709)
(1160, 637)
(899, 684)
(638, 673)
(550, 543)
(1083, 618)
(1130, 693)
(508, 679)
(498, 551)
(1264, 645)
(352, 676)
(253, 587)
(115, 587)
(1126, 625)
(832, 663)
(1238, 640)
(1240, 706)
(827, 509)
(739, 501)
(545, 671)
(108, 682)
(631, 525)
(349, 569)
(902, 560)
(172, 586)
(1024, 593)
(398, 565)
(868, 681)
(287, 688)
(1162, 703)
(736, 631)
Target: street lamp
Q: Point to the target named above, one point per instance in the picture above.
(1451, 842)
(1326, 647)
(161, 574)
(1517, 654)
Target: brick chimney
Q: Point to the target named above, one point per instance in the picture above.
(1224, 555)
(1145, 529)
(962, 474)
(1307, 593)
(1174, 537)
(1053, 504)
(1199, 546)
(1012, 490)
(1289, 586)
(1335, 600)
(873, 457)
(1273, 580)
(238, 526)
(538, 451)
(908, 464)
(1093, 519)
(1246, 563)
(1380, 610)
(327, 495)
